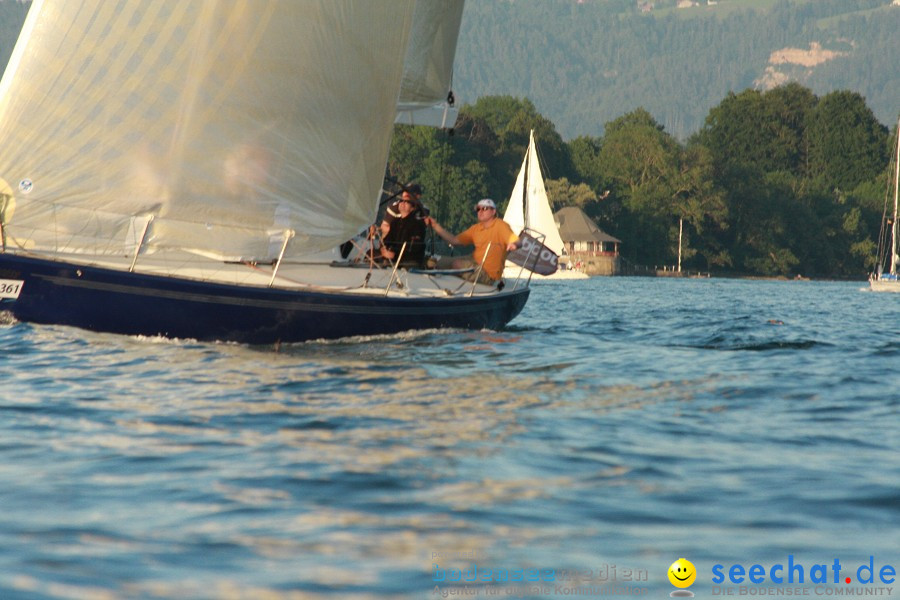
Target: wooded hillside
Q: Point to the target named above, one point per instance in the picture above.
(586, 63)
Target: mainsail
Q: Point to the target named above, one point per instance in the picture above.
(528, 204)
(215, 124)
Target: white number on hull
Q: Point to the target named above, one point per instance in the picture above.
(10, 288)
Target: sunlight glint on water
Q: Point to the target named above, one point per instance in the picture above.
(618, 421)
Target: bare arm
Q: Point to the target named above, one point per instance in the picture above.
(443, 233)
(385, 228)
(514, 241)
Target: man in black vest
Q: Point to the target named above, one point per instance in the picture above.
(404, 221)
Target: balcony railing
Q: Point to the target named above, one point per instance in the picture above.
(591, 253)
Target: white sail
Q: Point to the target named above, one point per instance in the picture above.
(229, 122)
(531, 208)
(428, 68)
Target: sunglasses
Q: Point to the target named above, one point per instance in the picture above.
(481, 208)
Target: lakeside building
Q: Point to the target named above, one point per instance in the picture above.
(589, 247)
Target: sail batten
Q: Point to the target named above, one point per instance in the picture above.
(223, 119)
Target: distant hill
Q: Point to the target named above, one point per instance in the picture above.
(586, 62)
(12, 15)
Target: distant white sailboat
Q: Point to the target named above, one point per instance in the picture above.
(529, 207)
(880, 281)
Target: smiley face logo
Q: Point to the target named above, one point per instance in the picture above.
(682, 573)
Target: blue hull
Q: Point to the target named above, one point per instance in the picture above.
(101, 299)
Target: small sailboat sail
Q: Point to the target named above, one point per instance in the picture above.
(166, 168)
(529, 207)
(888, 241)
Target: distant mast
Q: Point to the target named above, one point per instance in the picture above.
(896, 190)
(525, 181)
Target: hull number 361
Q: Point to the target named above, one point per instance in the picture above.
(10, 288)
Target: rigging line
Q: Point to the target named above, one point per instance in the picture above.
(395, 194)
(441, 197)
(370, 255)
(883, 251)
(431, 278)
(542, 160)
(543, 169)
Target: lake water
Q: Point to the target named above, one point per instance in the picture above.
(617, 425)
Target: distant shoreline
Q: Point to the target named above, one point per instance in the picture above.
(725, 275)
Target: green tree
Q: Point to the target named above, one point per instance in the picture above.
(640, 160)
(761, 236)
(512, 119)
(764, 130)
(562, 192)
(848, 144)
(786, 112)
(584, 152)
(697, 201)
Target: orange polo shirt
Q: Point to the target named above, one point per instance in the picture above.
(499, 235)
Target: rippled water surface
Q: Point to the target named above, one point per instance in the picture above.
(617, 424)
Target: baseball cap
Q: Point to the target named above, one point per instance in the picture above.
(487, 202)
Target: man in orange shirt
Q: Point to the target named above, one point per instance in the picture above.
(491, 236)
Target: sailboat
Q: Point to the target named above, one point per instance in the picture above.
(529, 207)
(880, 281)
(179, 169)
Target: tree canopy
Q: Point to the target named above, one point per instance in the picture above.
(774, 183)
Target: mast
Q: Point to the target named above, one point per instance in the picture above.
(680, 231)
(896, 189)
(525, 181)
